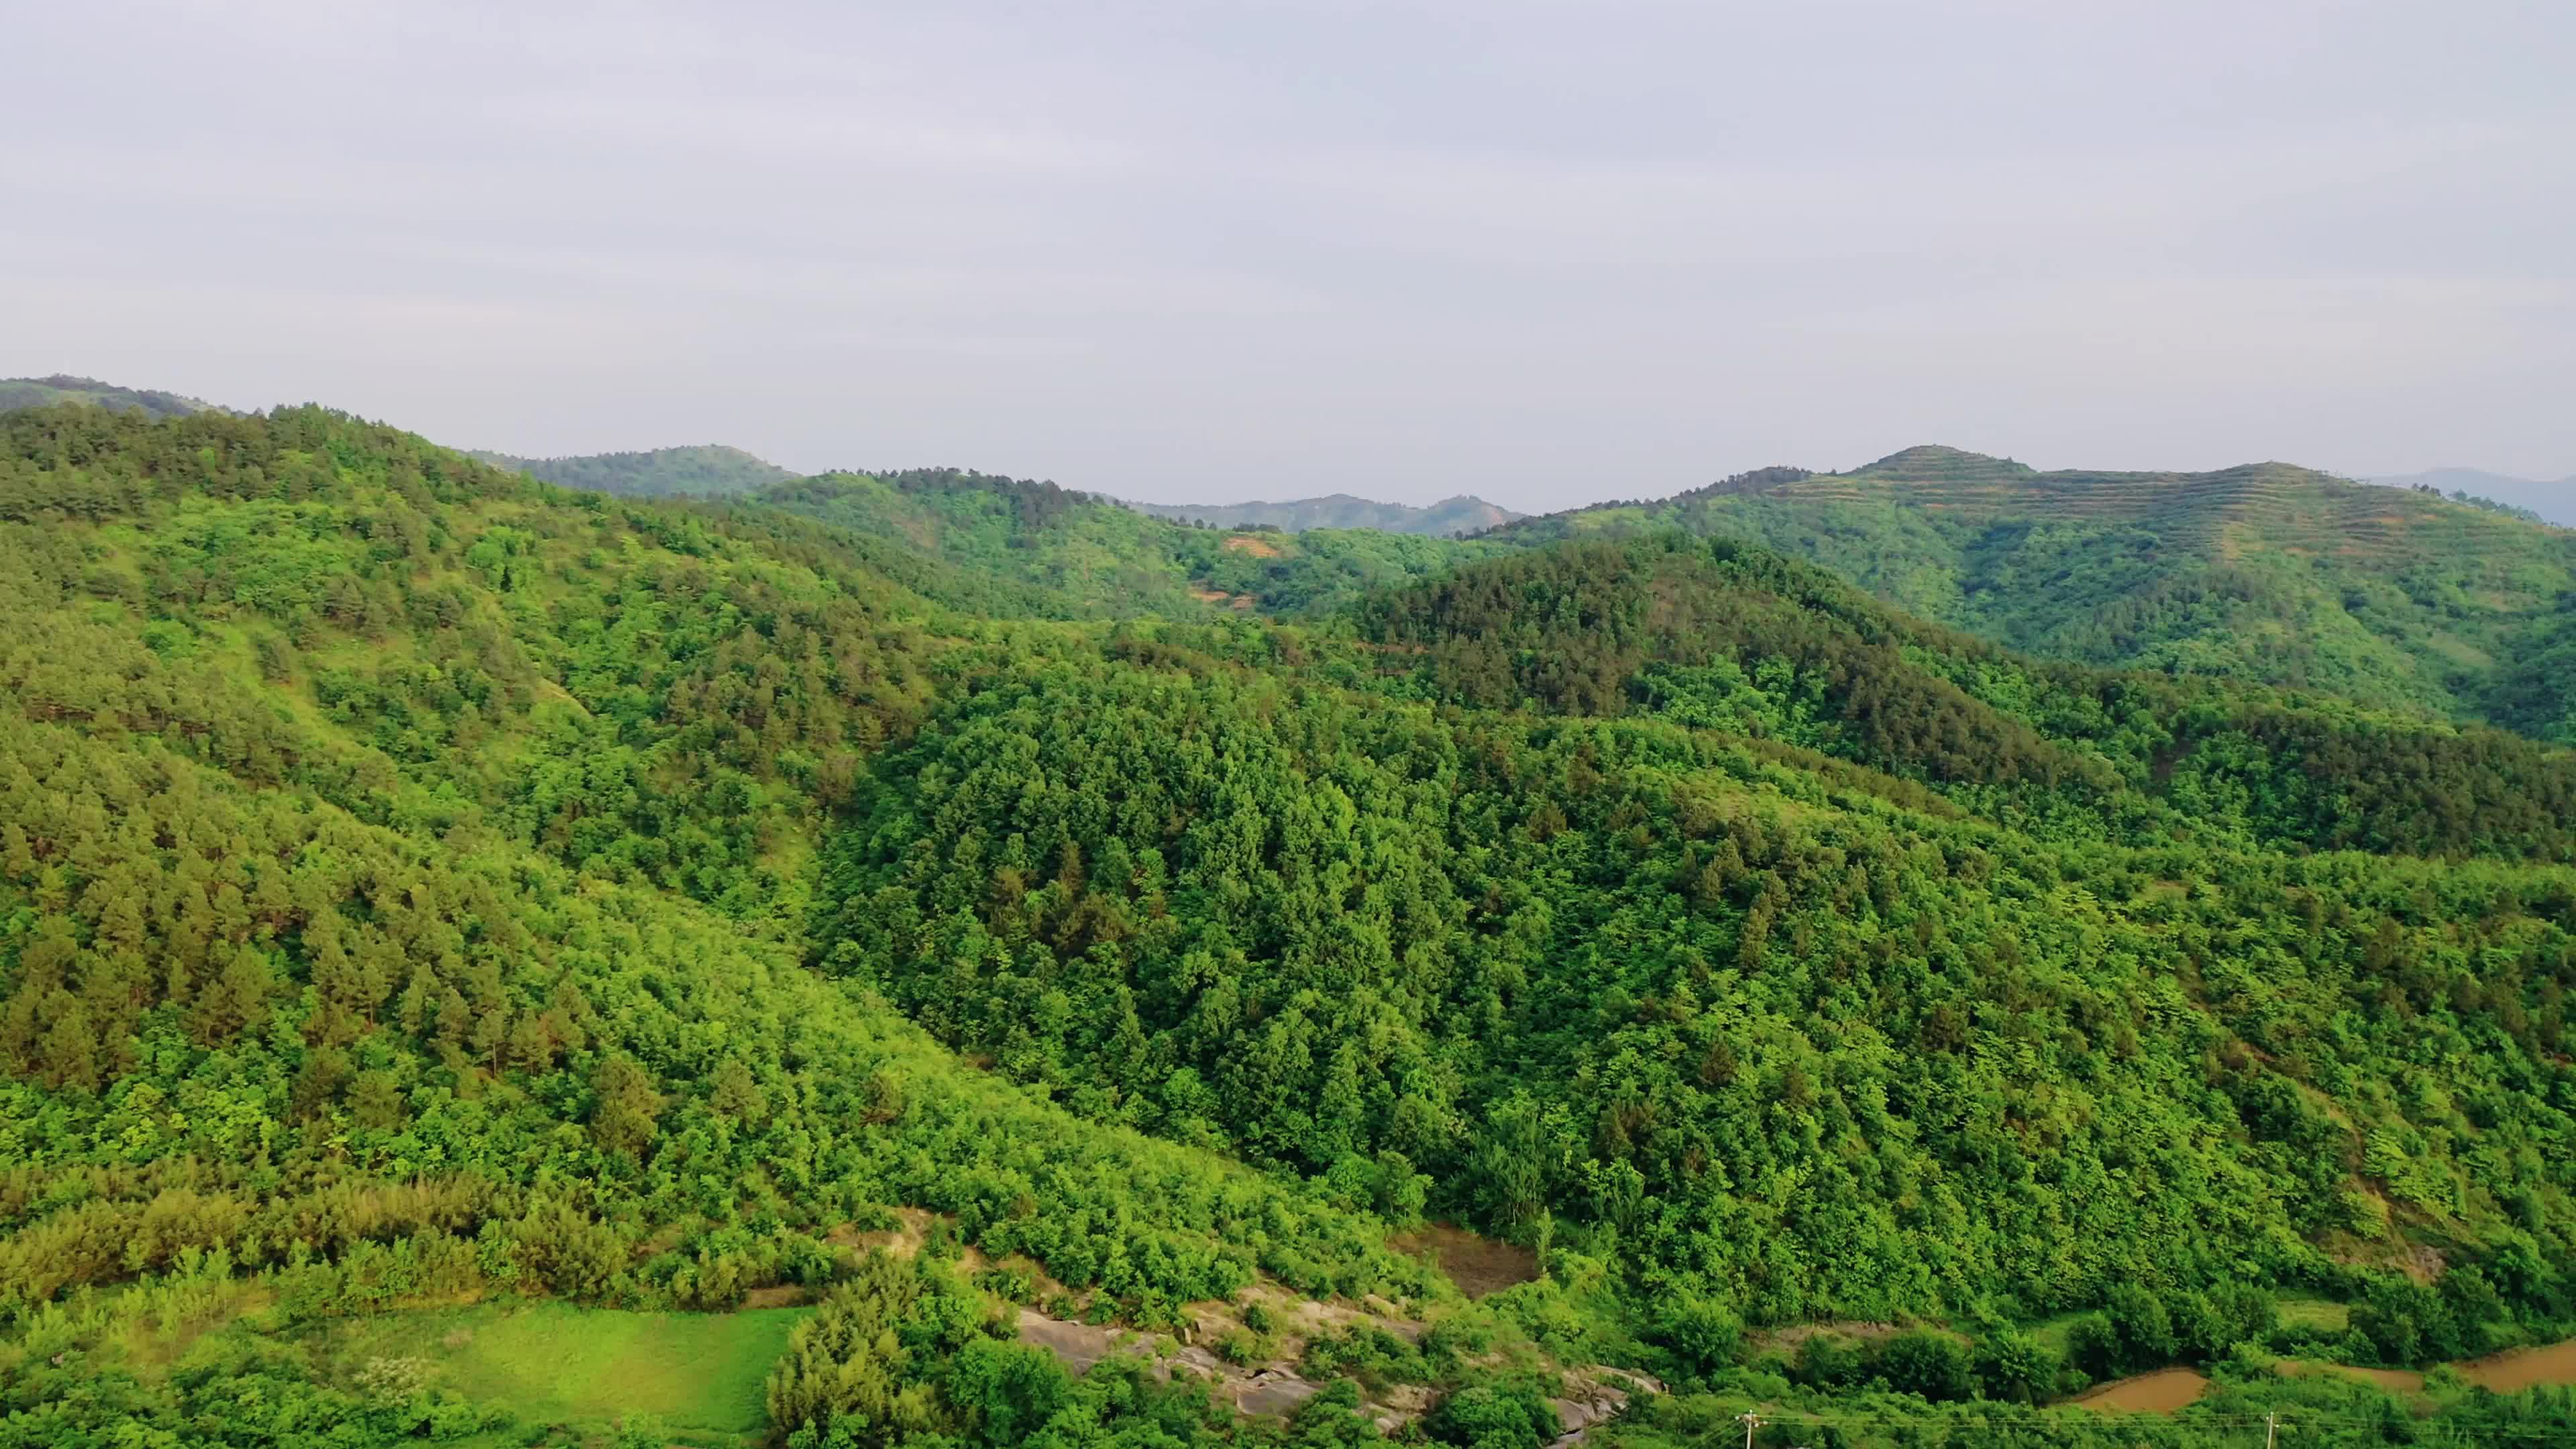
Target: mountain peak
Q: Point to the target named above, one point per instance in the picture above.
(1932, 462)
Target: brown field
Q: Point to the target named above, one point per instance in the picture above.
(2160, 1392)
(1477, 1265)
(2523, 1368)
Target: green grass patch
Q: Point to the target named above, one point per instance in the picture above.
(2323, 1316)
(701, 1374)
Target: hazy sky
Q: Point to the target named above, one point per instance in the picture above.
(1543, 252)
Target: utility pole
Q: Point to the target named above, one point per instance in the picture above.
(2271, 1427)
(1753, 1420)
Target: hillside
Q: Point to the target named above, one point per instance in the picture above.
(422, 887)
(1100, 558)
(401, 868)
(2265, 572)
(1448, 518)
(705, 471)
(33, 392)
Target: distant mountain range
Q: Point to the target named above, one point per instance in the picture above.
(2265, 571)
(2555, 502)
(709, 470)
(1448, 518)
(2394, 596)
(36, 392)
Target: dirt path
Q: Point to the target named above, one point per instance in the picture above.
(2523, 1368)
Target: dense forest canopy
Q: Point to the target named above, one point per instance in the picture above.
(420, 883)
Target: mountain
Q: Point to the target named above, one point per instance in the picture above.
(2553, 502)
(705, 471)
(2264, 572)
(1448, 518)
(30, 392)
(456, 933)
(1093, 556)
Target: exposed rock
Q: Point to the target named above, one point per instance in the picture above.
(1077, 1345)
(1271, 1392)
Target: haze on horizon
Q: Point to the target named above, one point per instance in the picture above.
(1542, 253)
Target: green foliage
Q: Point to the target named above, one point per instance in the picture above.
(1448, 518)
(2393, 598)
(1371, 1355)
(419, 884)
(1510, 1413)
(36, 392)
(704, 471)
(1808, 1052)
(2326, 1410)
(1091, 557)
(448, 952)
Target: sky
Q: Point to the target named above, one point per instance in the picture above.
(1545, 253)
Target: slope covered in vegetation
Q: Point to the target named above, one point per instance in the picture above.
(1105, 559)
(708, 470)
(1448, 518)
(422, 884)
(2267, 572)
(36, 392)
(400, 862)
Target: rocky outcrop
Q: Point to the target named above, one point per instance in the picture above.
(1590, 1396)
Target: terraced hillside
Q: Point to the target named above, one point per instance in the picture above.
(36, 392)
(2266, 571)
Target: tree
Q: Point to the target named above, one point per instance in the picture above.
(624, 1120)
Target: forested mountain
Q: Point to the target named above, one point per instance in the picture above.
(2266, 572)
(706, 471)
(1099, 557)
(1448, 518)
(420, 884)
(32, 392)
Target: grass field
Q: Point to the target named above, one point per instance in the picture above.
(2318, 1314)
(700, 1375)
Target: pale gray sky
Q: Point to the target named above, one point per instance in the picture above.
(1404, 248)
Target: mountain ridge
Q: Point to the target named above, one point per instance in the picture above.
(1450, 517)
(699, 470)
(2266, 571)
(28, 392)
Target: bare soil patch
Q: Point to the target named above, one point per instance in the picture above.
(2160, 1392)
(1478, 1265)
(2523, 1368)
